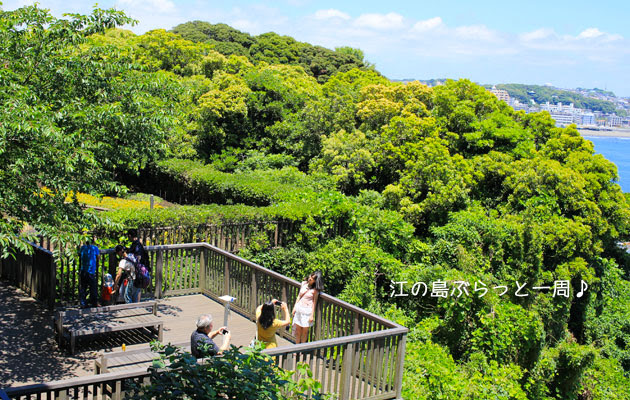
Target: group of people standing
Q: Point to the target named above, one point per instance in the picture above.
(266, 322)
(134, 258)
(126, 281)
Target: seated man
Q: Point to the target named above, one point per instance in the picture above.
(204, 334)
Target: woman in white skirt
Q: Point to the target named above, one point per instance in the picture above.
(305, 305)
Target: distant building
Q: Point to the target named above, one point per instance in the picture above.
(562, 118)
(559, 108)
(501, 94)
(614, 120)
(588, 119)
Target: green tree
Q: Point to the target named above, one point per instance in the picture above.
(234, 375)
(347, 157)
(44, 85)
(223, 38)
(159, 49)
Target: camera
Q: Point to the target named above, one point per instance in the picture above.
(224, 331)
(277, 303)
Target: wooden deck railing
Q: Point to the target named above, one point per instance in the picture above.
(353, 352)
(34, 273)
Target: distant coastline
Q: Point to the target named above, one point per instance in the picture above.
(620, 133)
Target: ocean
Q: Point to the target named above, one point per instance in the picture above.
(617, 150)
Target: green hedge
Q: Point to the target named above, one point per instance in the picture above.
(192, 182)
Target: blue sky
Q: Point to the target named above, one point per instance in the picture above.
(566, 44)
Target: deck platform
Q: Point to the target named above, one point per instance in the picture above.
(29, 353)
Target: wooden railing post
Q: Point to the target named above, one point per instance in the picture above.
(111, 268)
(52, 283)
(226, 276)
(284, 294)
(28, 276)
(254, 295)
(318, 321)
(159, 273)
(202, 269)
(347, 368)
(400, 360)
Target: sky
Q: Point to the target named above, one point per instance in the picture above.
(566, 44)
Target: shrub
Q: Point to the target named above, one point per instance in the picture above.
(234, 375)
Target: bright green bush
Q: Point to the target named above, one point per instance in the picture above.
(431, 373)
(605, 380)
(509, 333)
(204, 184)
(176, 374)
(559, 372)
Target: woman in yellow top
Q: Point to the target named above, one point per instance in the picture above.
(267, 323)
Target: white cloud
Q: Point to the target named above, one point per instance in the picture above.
(476, 32)
(591, 43)
(161, 6)
(594, 33)
(331, 13)
(590, 33)
(427, 25)
(380, 21)
(538, 34)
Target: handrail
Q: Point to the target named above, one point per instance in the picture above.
(276, 275)
(74, 382)
(141, 372)
(267, 271)
(319, 344)
(38, 247)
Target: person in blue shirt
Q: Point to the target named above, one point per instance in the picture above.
(89, 255)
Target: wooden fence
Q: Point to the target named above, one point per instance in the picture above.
(34, 273)
(233, 236)
(353, 352)
(64, 289)
(228, 236)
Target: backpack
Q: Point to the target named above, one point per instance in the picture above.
(143, 277)
(137, 249)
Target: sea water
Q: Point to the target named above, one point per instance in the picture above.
(617, 150)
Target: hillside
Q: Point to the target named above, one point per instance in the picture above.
(543, 94)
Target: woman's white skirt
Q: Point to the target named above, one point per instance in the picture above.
(301, 317)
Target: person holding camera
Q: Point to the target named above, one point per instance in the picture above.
(267, 324)
(203, 335)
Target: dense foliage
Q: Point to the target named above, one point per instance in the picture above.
(317, 61)
(443, 184)
(177, 374)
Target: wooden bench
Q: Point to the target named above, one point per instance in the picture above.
(131, 359)
(75, 323)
